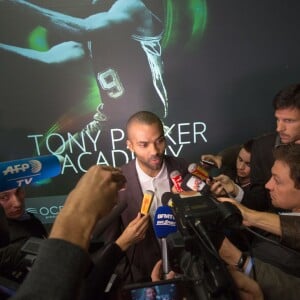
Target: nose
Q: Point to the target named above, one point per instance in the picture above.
(153, 149)
(280, 126)
(242, 166)
(269, 184)
(16, 201)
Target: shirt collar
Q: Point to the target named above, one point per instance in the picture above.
(144, 177)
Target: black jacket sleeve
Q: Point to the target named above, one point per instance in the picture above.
(104, 263)
(290, 226)
(56, 274)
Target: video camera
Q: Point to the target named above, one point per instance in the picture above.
(193, 250)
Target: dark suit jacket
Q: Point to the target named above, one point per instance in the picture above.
(262, 160)
(290, 226)
(57, 272)
(12, 263)
(275, 284)
(142, 257)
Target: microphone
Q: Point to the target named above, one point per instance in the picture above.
(177, 180)
(166, 198)
(109, 219)
(164, 224)
(194, 183)
(198, 171)
(17, 173)
(147, 201)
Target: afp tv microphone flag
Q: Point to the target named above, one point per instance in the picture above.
(17, 173)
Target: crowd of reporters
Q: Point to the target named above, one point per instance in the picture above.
(260, 177)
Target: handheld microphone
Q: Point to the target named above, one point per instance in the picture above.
(198, 171)
(17, 173)
(164, 224)
(166, 198)
(177, 180)
(147, 201)
(194, 183)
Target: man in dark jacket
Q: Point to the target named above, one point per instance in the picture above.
(284, 188)
(286, 105)
(21, 226)
(150, 170)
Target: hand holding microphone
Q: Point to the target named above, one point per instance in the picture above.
(134, 232)
(223, 186)
(157, 271)
(164, 224)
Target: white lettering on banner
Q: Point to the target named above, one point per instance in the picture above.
(47, 212)
(165, 216)
(50, 212)
(16, 169)
(79, 149)
(165, 223)
(26, 181)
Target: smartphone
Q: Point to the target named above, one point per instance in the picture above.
(174, 289)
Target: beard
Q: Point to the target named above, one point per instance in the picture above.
(154, 162)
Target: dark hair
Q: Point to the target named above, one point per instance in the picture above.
(146, 117)
(288, 97)
(248, 146)
(290, 154)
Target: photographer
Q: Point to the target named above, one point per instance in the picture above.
(284, 188)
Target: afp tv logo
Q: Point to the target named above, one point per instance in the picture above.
(34, 166)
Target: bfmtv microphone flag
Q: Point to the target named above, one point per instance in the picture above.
(17, 173)
(164, 222)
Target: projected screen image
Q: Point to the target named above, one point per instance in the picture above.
(81, 68)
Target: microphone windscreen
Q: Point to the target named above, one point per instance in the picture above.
(177, 180)
(166, 198)
(193, 183)
(198, 171)
(17, 173)
(147, 201)
(164, 222)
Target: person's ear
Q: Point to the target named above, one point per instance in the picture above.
(129, 145)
